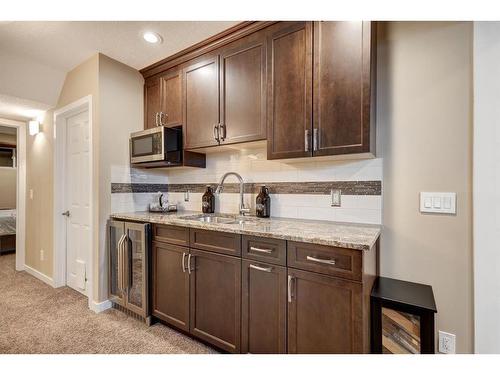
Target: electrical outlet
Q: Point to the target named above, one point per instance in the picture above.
(447, 342)
(42, 255)
(335, 195)
(31, 194)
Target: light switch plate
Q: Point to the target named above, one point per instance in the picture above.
(438, 202)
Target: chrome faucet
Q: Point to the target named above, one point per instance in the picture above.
(220, 187)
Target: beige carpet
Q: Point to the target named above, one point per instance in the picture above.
(35, 318)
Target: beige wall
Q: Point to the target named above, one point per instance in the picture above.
(424, 123)
(121, 112)
(79, 82)
(8, 182)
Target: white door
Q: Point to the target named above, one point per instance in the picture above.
(78, 242)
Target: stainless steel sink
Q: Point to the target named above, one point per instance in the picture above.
(220, 219)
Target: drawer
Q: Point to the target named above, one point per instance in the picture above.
(171, 234)
(328, 260)
(268, 250)
(218, 242)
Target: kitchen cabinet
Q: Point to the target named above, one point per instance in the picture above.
(171, 98)
(289, 90)
(263, 315)
(215, 299)
(128, 265)
(163, 100)
(171, 284)
(344, 70)
(201, 103)
(324, 314)
(152, 102)
(243, 90)
(254, 294)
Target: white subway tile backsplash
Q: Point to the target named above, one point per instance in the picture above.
(253, 167)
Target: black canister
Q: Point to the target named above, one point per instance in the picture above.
(263, 203)
(208, 201)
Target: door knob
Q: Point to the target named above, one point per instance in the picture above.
(66, 213)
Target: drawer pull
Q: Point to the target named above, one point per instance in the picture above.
(258, 268)
(259, 250)
(331, 262)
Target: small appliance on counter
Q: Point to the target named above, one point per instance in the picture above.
(208, 201)
(263, 203)
(160, 204)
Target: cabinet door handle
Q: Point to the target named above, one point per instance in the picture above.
(290, 278)
(189, 263)
(259, 250)
(331, 262)
(258, 268)
(183, 264)
(125, 260)
(216, 132)
(223, 132)
(119, 265)
(156, 118)
(306, 140)
(315, 139)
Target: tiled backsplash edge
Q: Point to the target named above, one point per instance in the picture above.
(316, 187)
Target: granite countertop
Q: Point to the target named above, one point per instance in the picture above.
(331, 233)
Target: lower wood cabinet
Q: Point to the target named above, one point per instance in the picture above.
(324, 314)
(171, 284)
(279, 302)
(263, 315)
(215, 303)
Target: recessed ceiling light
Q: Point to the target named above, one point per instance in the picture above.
(151, 37)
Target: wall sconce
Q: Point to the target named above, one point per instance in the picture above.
(34, 127)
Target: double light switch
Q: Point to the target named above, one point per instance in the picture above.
(439, 203)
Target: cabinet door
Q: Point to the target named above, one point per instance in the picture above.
(290, 91)
(324, 314)
(171, 98)
(152, 102)
(215, 288)
(136, 267)
(116, 231)
(171, 284)
(243, 90)
(263, 315)
(342, 87)
(201, 103)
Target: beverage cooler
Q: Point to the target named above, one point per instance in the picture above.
(128, 259)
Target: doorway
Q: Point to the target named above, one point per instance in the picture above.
(73, 197)
(13, 189)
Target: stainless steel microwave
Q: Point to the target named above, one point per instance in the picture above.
(156, 147)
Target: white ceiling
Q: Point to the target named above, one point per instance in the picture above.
(35, 56)
(64, 45)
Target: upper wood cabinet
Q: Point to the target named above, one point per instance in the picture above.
(152, 102)
(306, 87)
(243, 90)
(290, 90)
(344, 68)
(201, 103)
(171, 98)
(163, 100)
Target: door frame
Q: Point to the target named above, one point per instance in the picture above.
(20, 190)
(60, 117)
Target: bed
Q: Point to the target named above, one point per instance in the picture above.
(7, 231)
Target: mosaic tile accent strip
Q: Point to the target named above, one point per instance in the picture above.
(137, 188)
(318, 188)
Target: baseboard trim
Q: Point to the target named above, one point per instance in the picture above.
(40, 276)
(98, 307)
